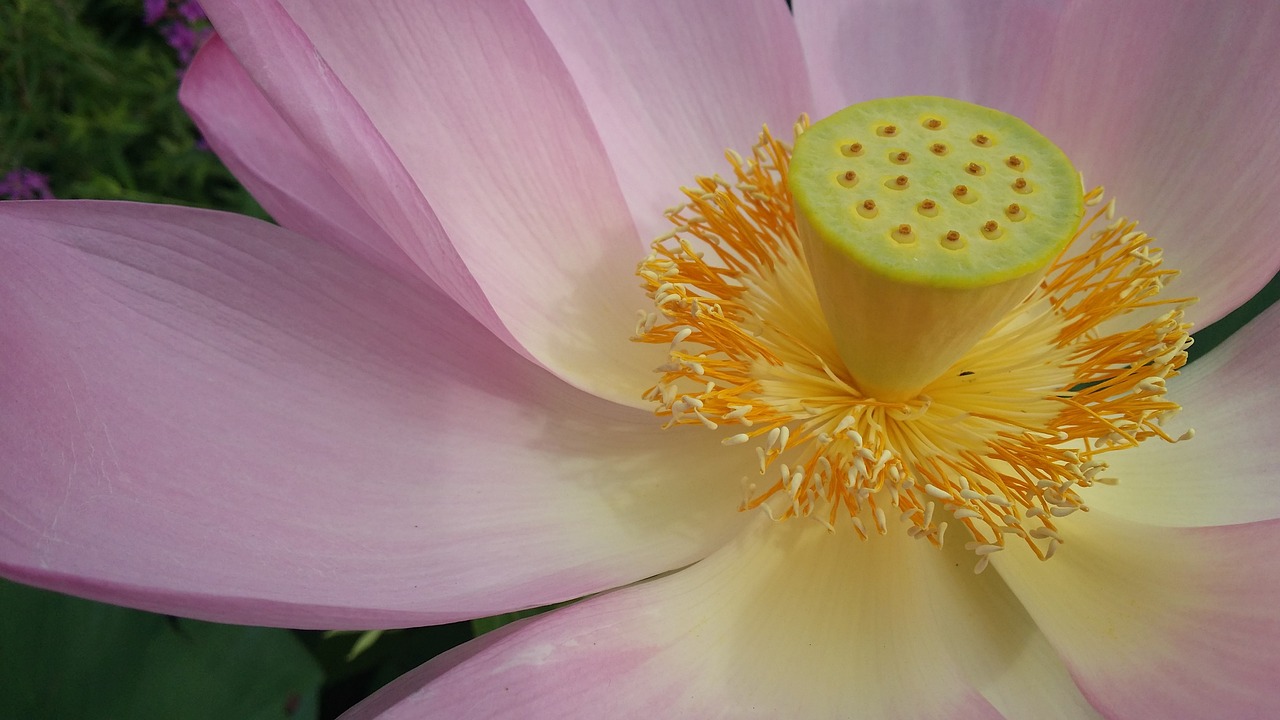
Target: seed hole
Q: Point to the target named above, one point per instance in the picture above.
(975, 169)
(927, 208)
(991, 230)
(867, 208)
(1016, 162)
(932, 123)
(982, 140)
(1015, 212)
(938, 149)
(901, 157)
(1021, 186)
(853, 149)
(904, 234)
(899, 183)
(887, 130)
(847, 178)
(952, 240)
(964, 194)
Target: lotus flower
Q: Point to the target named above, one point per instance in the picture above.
(419, 400)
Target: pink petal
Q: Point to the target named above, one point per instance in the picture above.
(788, 621)
(210, 416)
(333, 125)
(670, 85)
(1227, 473)
(1171, 108)
(1161, 622)
(269, 158)
(386, 699)
(477, 105)
(991, 52)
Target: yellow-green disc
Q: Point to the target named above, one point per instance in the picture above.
(934, 191)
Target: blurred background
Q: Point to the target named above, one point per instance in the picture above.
(88, 109)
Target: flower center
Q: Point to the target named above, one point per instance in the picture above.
(754, 293)
(924, 221)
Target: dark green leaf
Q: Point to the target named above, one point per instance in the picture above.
(69, 658)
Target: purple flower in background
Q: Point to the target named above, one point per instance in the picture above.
(185, 40)
(184, 26)
(154, 10)
(24, 184)
(191, 11)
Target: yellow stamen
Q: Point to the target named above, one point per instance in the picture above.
(1001, 442)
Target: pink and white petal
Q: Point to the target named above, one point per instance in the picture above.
(786, 621)
(389, 696)
(671, 85)
(991, 52)
(277, 167)
(1160, 622)
(475, 101)
(1226, 474)
(331, 123)
(1169, 106)
(211, 416)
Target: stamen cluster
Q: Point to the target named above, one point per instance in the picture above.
(1001, 443)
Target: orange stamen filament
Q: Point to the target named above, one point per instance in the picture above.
(1001, 443)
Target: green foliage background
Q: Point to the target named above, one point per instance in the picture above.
(88, 96)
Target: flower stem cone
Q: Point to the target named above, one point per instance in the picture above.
(924, 221)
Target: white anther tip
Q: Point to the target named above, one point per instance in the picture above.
(936, 491)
